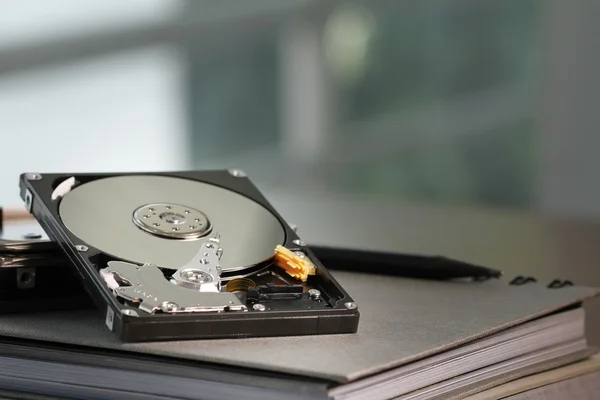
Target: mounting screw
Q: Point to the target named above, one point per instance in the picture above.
(299, 242)
(196, 276)
(33, 176)
(259, 307)
(169, 306)
(237, 173)
(294, 227)
(350, 305)
(314, 294)
(81, 247)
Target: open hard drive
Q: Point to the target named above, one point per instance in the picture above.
(186, 255)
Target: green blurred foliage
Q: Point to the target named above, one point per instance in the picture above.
(492, 168)
(431, 50)
(422, 52)
(434, 49)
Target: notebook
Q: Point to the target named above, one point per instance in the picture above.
(408, 326)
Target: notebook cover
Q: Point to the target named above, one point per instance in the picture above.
(402, 320)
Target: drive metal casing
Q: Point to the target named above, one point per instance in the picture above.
(186, 255)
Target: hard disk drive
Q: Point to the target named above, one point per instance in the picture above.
(185, 255)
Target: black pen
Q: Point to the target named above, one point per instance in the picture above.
(398, 264)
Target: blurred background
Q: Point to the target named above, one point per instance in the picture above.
(458, 102)
(481, 105)
(460, 127)
(454, 102)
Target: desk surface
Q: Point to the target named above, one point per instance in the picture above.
(517, 243)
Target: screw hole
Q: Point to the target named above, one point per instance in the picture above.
(26, 277)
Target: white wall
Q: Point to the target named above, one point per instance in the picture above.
(120, 112)
(30, 22)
